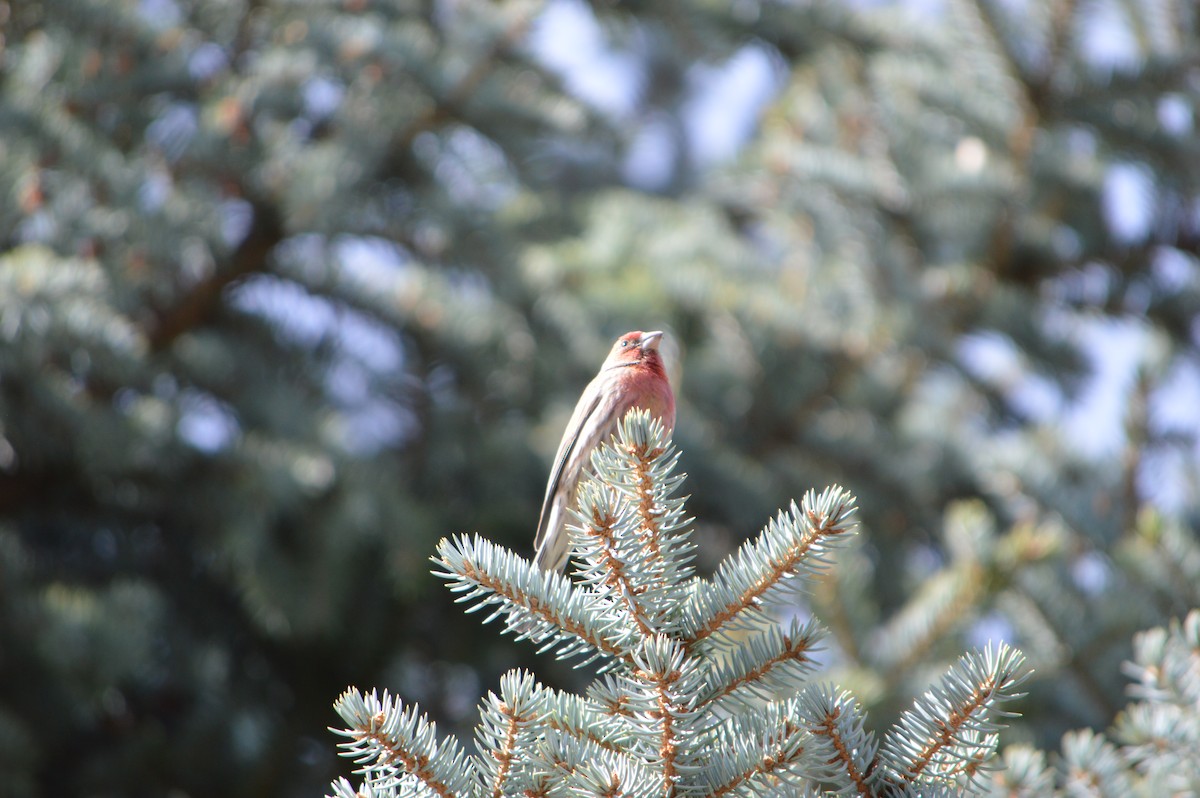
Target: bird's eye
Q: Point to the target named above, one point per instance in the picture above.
(624, 344)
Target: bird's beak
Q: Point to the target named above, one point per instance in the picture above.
(650, 340)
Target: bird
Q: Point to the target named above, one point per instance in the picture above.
(632, 376)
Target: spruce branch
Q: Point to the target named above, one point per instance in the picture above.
(768, 663)
(1024, 774)
(662, 530)
(1167, 663)
(606, 559)
(673, 680)
(759, 751)
(396, 746)
(793, 548)
(951, 731)
(505, 730)
(839, 739)
(601, 717)
(633, 542)
(1093, 767)
(544, 607)
(563, 766)
(1161, 733)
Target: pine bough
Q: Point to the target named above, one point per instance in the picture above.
(702, 691)
(1153, 749)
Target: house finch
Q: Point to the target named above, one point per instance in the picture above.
(632, 376)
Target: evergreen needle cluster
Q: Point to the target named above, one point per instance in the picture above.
(1153, 748)
(702, 690)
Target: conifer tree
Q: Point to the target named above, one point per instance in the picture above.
(288, 290)
(701, 691)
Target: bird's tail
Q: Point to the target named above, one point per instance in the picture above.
(556, 545)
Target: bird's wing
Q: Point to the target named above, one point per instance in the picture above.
(579, 420)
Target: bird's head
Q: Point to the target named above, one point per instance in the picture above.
(636, 347)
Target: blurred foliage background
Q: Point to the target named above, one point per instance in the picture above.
(289, 290)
